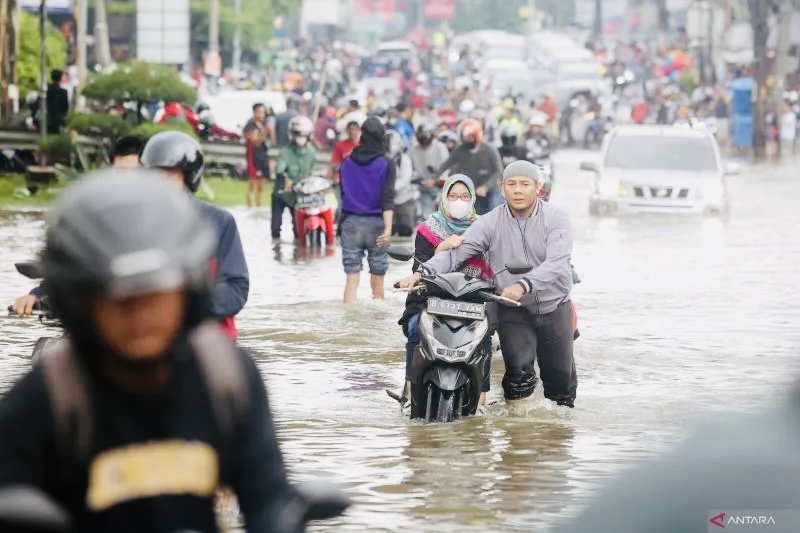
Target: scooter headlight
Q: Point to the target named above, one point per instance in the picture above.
(445, 353)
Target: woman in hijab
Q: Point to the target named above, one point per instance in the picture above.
(443, 231)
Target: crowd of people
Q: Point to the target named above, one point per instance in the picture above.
(145, 304)
(147, 282)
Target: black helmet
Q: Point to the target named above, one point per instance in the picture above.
(175, 150)
(121, 234)
(425, 133)
(508, 135)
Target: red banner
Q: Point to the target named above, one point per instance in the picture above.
(439, 10)
(376, 7)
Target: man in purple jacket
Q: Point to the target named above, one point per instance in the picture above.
(367, 180)
(525, 229)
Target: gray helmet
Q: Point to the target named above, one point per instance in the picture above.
(394, 143)
(176, 150)
(123, 233)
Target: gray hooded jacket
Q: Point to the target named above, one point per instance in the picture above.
(544, 240)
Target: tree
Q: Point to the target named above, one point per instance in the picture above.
(139, 82)
(257, 20)
(29, 62)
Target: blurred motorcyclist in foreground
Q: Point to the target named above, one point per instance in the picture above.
(478, 160)
(181, 157)
(145, 409)
(734, 463)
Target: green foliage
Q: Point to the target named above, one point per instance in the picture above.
(139, 82)
(688, 81)
(257, 20)
(56, 147)
(96, 124)
(472, 15)
(29, 64)
(145, 131)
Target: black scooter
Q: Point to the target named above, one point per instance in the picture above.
(448, 365)
(26, 509)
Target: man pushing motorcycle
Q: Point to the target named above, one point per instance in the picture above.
(539, 233)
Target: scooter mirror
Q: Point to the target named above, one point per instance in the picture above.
(400, 253)
(24, 508)
(518, 268)
(30, 269)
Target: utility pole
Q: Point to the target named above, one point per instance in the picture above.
(784, 14)
(663, 17)
(237, 37)
(213, 27)
(43, 69)
(759, 11)
(81, 22)
(598, 18)
(532, 16)
(102, 40)
(5, 74)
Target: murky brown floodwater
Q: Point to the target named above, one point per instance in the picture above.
(677, 316)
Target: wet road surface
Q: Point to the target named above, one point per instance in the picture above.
(678, 317)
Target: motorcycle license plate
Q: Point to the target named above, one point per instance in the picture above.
(309, 201)
(451, 308)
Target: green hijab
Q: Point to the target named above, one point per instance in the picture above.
(455, 225)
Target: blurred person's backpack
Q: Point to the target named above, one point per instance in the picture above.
(68, 390)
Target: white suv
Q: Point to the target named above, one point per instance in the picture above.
(659, 169)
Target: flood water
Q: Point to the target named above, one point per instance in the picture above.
(678, 317)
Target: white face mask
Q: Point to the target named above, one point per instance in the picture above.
(301, 141)
(458, 209)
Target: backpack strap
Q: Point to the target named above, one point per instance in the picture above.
(223, 373)
(67, 387)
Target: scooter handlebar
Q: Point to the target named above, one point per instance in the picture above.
(500, 299)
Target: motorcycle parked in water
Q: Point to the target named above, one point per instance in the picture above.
(27, 509)
(315, 208)
(33, 270)
(448, 365)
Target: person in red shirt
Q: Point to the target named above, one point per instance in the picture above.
(343, 148)
(257, 133)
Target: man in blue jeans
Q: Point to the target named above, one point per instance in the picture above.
(367, 180)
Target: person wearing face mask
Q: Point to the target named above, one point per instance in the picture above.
(295, 163)
(405, 199)
(525, 229)
(477, 159)
(443, 231)
(428, 155)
